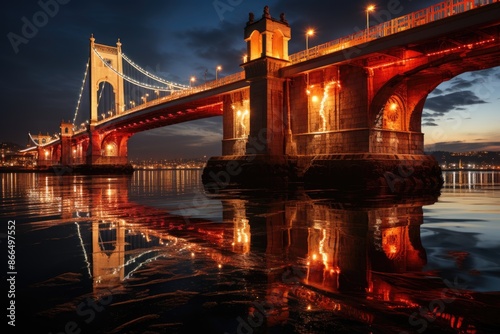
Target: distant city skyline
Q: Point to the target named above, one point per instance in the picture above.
(46, 47)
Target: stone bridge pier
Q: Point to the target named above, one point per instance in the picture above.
(351, 117)
(343, 125)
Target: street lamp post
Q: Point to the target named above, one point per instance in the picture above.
(191, 81)
(217, 69)
(309, 32)
(369, 9)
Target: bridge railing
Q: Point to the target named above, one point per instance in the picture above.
(423, 16)
(178, 94)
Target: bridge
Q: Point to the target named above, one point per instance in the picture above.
(344, 113)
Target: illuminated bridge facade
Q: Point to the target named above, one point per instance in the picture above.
(347, 112)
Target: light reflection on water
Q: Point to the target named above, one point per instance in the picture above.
(152, 253)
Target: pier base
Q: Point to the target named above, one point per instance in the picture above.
(377, 173)
(370, 173)
(248, 171)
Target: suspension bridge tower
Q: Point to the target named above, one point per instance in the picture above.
(100, 73)
(105, 66)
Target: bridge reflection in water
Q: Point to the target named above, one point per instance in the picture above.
(294, 261)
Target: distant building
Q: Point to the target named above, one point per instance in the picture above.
(10, 155)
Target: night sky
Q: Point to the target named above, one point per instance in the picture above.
(42, 73)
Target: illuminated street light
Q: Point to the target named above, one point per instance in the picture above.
(217, 69)
(145, 98)
(132, 103)
(369, 9)
(309, 32)
(193, 79)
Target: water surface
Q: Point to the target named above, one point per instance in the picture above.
(154, 253)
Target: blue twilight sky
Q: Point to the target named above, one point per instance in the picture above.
(42, 69)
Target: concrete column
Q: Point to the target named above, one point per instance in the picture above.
(94, 149)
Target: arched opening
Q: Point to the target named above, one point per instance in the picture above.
(110, 149)
(393, 114)
(106, 100)
(255, 46)
(278, 44)
(461, 114)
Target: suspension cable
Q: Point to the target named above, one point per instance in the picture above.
(81, 91)
(33, 140)
(100, 93)
(133, 81)
(152, 76)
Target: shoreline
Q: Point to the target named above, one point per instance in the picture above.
(119, 170)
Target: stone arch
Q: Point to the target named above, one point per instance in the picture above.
(114, 145)
(413, 87)
(394, 112)
(109, 146)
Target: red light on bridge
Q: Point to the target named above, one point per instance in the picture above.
(462, 47)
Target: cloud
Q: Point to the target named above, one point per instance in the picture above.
(448, 102)
(429, 124)
(462, 146)
(193, 134)
(436, 91)
(485, 73)
(226, 48)
(460, 83)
